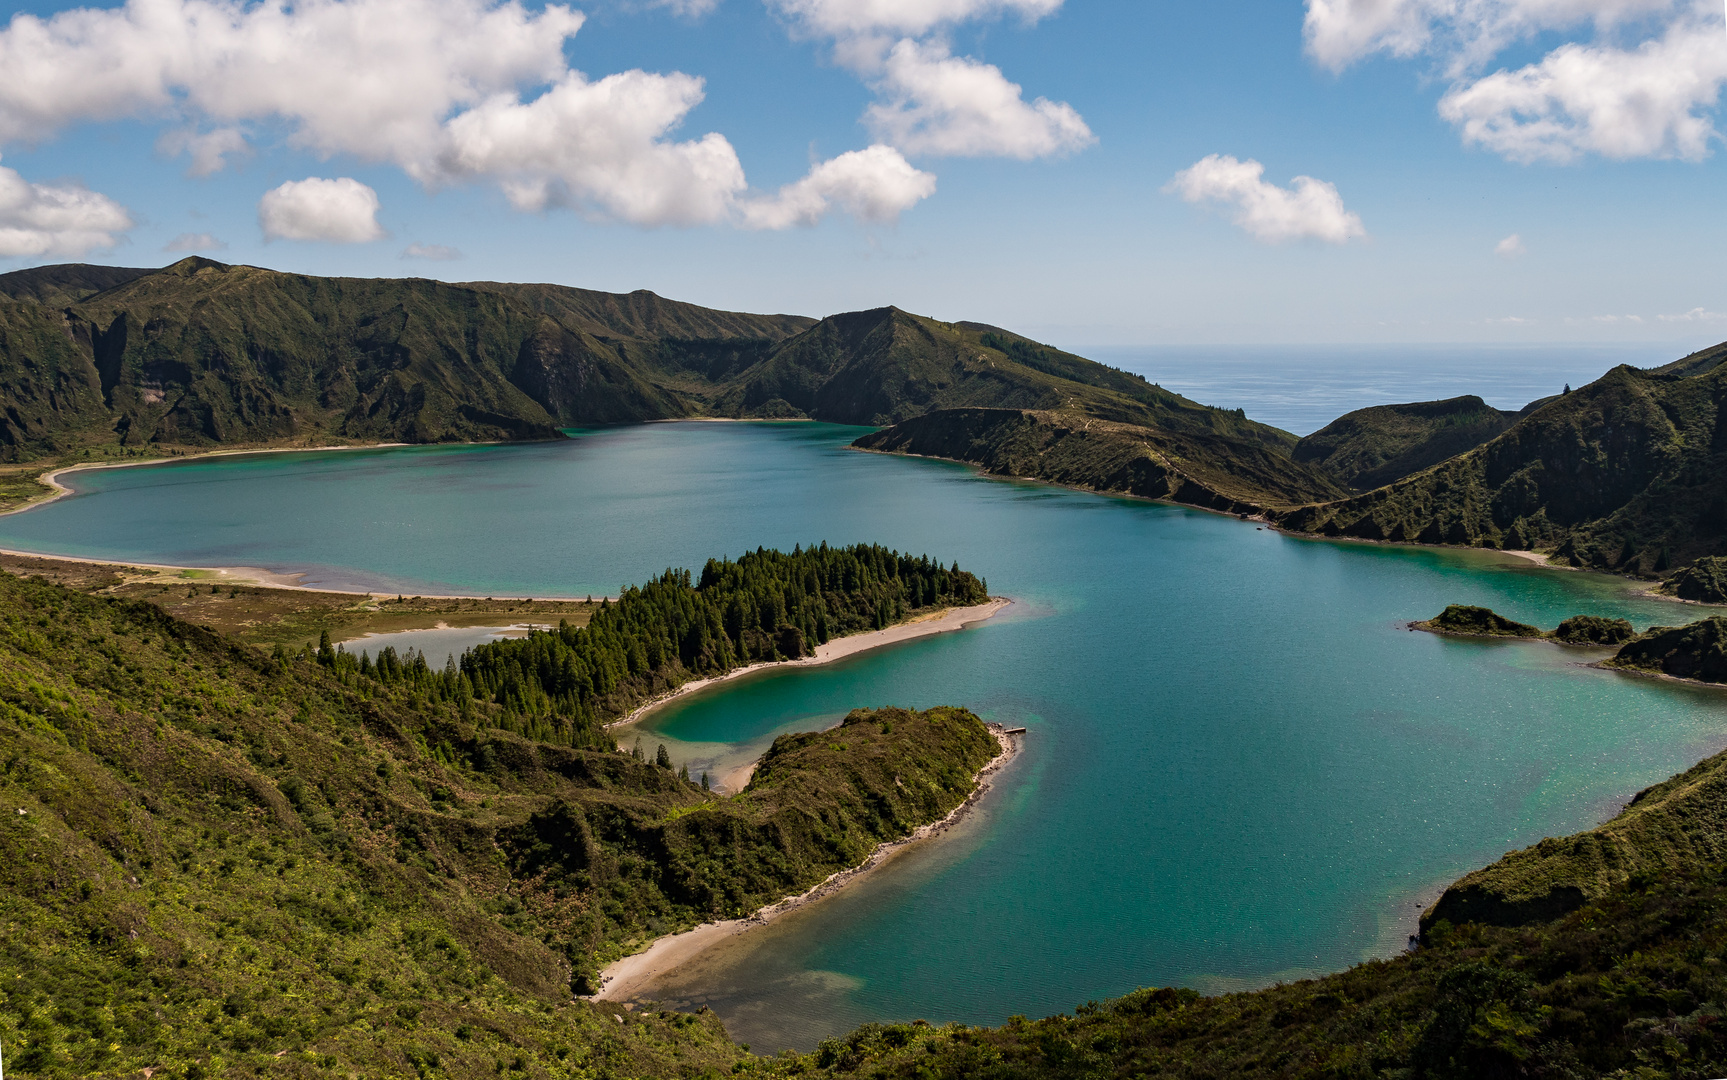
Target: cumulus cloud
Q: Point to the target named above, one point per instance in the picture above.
(944, 105)
(1462, 32)
(598, 146)
(1310, 210)
(932, 102)
(1641, 86)
(374, 78)
(340, 211)
(450, 91)
(56, 219)
(1619, 103)
(844, 18)
(1694, 315)
(194, 242)
(876, 185)
(1510, 247)
(431, 252)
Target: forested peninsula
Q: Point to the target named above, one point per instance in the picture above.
(565, 686)
(215, 861)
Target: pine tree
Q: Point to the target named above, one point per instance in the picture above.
(663, 759)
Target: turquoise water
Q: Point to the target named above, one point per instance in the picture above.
(1241, 765)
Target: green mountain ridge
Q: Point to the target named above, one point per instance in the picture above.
(203, 354)
(1372, 447)
(1620, 475)
(1199, 469)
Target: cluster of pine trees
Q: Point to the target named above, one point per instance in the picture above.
(563, 686)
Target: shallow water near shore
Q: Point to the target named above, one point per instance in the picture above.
(1239, 758)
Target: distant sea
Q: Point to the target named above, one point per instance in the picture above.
(1301, 388)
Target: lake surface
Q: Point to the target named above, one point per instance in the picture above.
(1241, 766)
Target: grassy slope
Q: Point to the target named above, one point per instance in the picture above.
(222, 858)
(884, 366)
(1674, 827)
(1213, 471)
(1621, 475)
(1369, 448)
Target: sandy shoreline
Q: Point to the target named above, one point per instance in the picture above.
(939, 622)
(625, 978)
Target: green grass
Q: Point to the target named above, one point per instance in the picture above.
(231, 865)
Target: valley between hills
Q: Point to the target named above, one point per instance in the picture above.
(225, 855)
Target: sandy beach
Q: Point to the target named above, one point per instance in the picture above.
(626, 978)
(936, 622)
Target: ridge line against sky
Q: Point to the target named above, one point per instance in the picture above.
(1100, 173)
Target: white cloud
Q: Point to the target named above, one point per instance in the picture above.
(340, 211)
(209, 150)
(56, 219)
(1694, 315)
(598, 146)
(1638, 79)
(431, 252)
(194, 242)
(1618, 103)
(1311, 210)
(1462, 32)
(876, 184)
(933, 102)
(945, 105)
(843, 18)
(373, 78)
(1510, 247)
(450, 91)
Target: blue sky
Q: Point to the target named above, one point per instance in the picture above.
(1152, 198)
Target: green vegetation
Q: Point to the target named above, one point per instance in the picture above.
(1697, 651)
(1622, 475)
(102, 362)
(1370, 448)
(1213, 471)
(564, 687)
(1467, 621)
(1478, 622)
(214, 862)
(1594, 630)
(1704, 581)
(1629, 987)
(1676, 827)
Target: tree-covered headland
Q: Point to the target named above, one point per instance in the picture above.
(564, 686)
(215, 862)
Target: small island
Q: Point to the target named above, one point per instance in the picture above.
(1461, 620)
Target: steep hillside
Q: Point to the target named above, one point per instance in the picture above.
(1673, 828)
(885, 366)
(1212, 471)
(1622, 474)
(68, 283)
(202, 354)
(1370, 448)
(218, 863)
